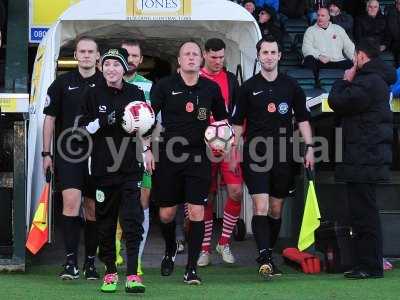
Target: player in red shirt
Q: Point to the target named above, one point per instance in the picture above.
(213, 69)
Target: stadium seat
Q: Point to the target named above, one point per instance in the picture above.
(329, 76)
(296, 28)
(287, 42)
(304, 77)
(290, 60)
(388, 57)
(385, 5)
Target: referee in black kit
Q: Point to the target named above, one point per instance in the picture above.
(63, 101)
(183, 171)
(267, 101)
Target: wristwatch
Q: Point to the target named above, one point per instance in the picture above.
(44, 154)
(146, 148)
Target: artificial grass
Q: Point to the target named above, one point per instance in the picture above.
(219, 282)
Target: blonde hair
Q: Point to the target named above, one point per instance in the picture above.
(370, 1)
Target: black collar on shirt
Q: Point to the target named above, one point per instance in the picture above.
(270, 82)
(179, 80)
(94, 77)
(115, 91)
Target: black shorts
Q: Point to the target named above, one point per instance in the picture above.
(74, 176)
(187, 181)
(275, 179)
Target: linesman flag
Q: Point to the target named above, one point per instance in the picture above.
(39, 233)
(311, 216)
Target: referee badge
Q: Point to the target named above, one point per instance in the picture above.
(47, 101)
(271, 107)
(189, 107)
(202, 115)
(100, 197)
(283, 108)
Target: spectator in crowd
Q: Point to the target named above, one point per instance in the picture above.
(392, 38)
(372, 24)
(339, 17)
(268, 24)
(293, 8)
(312, 7)
(324, 44)
(250, 6)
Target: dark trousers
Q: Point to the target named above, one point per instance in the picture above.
(121, 201)
(366, 225)
(315, 65)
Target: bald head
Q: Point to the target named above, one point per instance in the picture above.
(190, 57)
(323, 17)
(188, 44)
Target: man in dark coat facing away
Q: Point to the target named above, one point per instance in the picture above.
(361, 99)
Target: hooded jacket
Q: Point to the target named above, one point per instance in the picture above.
(363, 106)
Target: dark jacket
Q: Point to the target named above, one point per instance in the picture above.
(363, 105)
(233, 86)
(392, 37)
(99, 102)
(345, 21)
(367, 26)
(271, 27)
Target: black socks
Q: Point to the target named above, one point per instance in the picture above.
(71, 231)
(196, 235)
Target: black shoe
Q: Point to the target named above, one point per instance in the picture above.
(167, 264)
(265, 267)
(70, 272)
(89, 270)
(191, 277)
(351, 270)
(359, 274)
(275, 270)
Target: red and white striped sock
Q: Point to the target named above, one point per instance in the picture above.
(208, 224)
(186, 207)
(231, 215)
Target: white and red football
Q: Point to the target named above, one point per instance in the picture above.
(138, 116)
